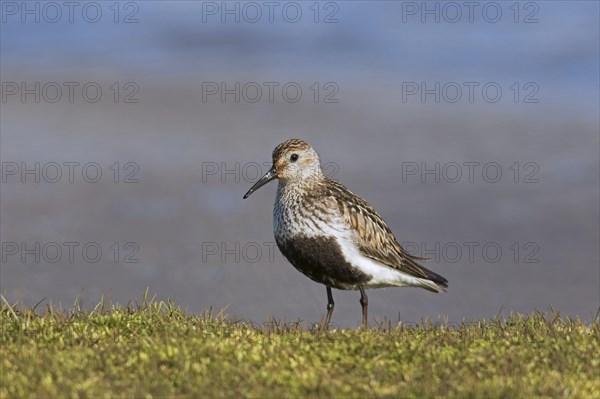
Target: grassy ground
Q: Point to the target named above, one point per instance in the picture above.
(155, 349)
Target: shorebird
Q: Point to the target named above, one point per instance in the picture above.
(332, 235)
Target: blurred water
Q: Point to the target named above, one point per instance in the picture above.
(171, 219)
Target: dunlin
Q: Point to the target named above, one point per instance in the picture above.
(332, 235)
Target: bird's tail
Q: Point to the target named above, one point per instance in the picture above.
(430, 281)
(433, 285)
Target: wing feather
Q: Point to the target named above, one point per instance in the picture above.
(374, 238)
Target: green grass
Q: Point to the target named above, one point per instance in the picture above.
(154, 349)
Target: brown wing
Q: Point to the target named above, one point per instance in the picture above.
(375, 239)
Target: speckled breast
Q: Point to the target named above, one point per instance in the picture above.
(311, 247)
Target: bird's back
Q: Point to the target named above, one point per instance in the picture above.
(327, 224)
(375, 239)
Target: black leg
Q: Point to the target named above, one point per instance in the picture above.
(364, 302)
(330, 305)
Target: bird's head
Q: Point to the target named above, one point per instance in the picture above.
(294, 160)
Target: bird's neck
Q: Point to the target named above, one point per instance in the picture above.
(296, 189)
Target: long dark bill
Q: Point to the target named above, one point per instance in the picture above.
(270, 175)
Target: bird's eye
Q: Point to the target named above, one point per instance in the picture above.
(294, 157)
